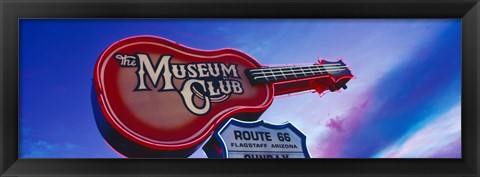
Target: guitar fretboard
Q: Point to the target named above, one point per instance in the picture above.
(277, 74)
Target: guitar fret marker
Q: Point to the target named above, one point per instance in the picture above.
(264, 74)
(273, 74)
(293, 73)
(283, 73)
(311, 70)
(303, 72)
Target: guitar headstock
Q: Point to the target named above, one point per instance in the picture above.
(338, 71)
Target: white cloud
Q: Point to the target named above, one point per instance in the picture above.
(438, 138)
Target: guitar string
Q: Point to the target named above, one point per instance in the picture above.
(300, 72)
(281, 70)
(331, 64)
(300, 69)
(294, 74)
(297, 74)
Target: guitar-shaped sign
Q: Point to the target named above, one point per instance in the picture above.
(156, 98)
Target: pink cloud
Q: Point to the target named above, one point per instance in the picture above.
(336, 124)
(340, 128)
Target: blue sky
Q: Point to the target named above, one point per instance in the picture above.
(404, 102)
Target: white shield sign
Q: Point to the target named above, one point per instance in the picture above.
(259, 139)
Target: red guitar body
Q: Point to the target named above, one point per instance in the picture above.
(155, 98)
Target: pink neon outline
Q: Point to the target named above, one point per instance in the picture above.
(232, 112)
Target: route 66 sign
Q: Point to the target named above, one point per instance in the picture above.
(259, 139)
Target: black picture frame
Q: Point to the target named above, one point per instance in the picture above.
(11, 11)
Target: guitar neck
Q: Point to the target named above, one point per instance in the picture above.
(290, 73)
(291, 79)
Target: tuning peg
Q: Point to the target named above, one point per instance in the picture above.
(320, 60)
(331, 88)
